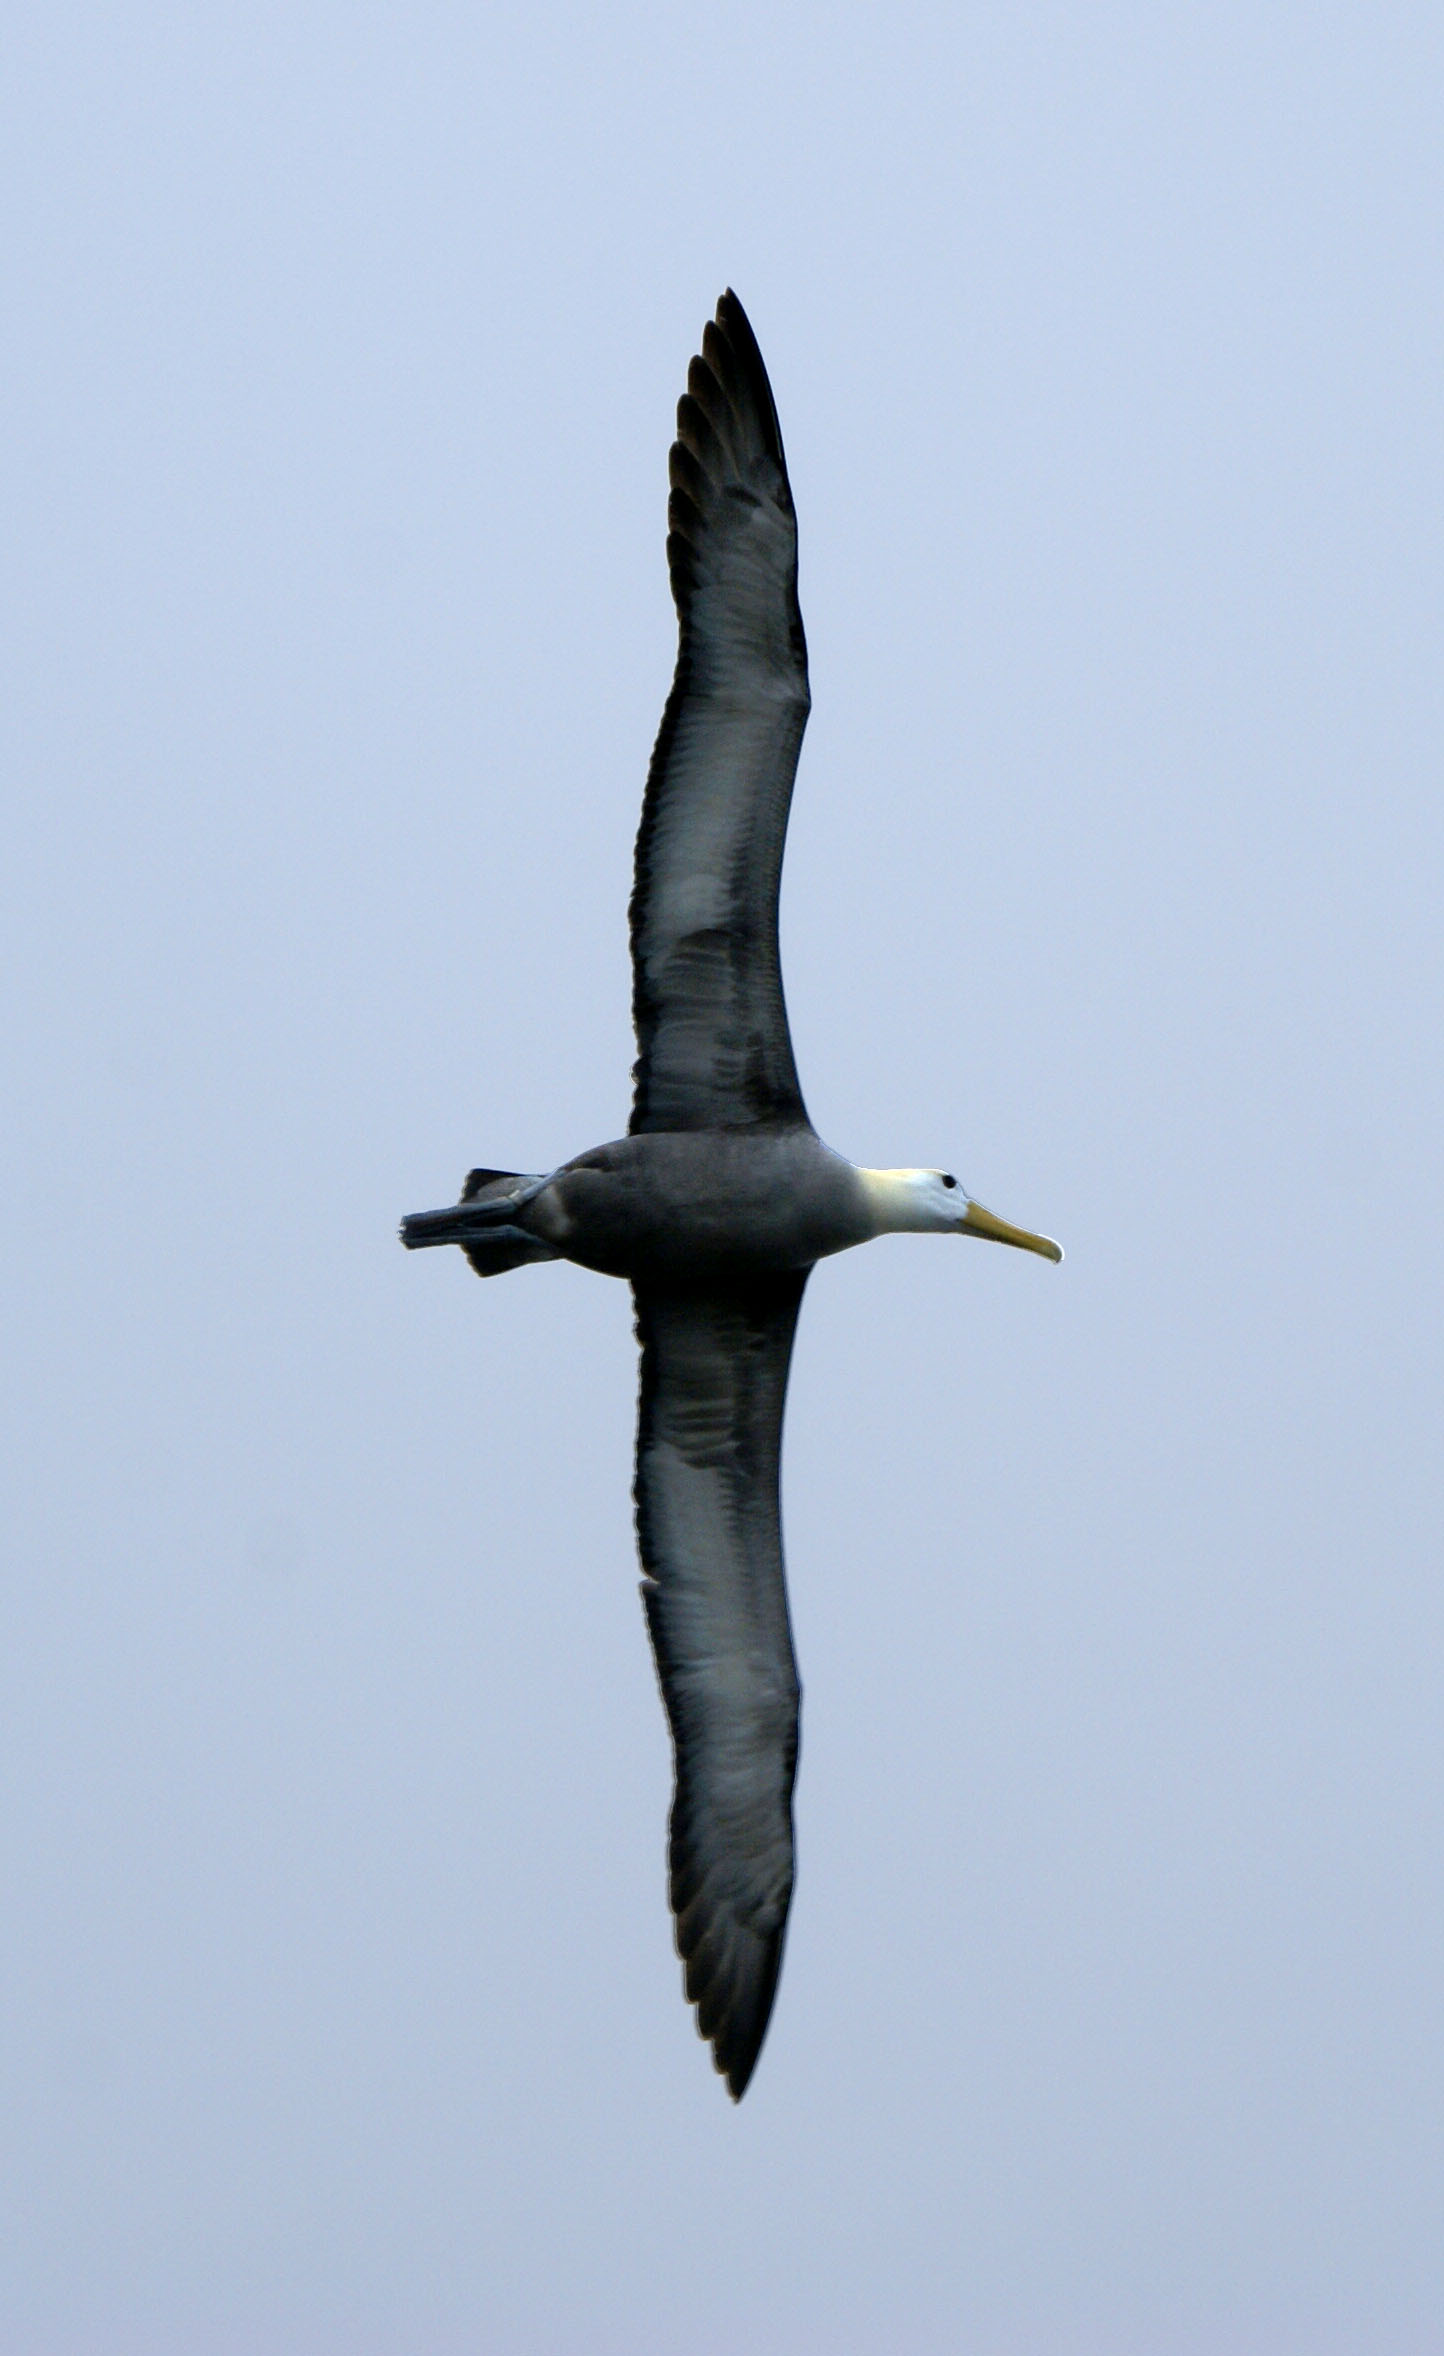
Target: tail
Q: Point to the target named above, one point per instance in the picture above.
(484, 1222)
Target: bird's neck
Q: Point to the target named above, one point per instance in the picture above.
(898, 1202)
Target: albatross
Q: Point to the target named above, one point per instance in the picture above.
(721, 1198)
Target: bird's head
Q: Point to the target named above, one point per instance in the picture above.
(931, 1202)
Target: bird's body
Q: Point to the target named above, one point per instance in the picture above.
(682, 1206)
(722, 1197)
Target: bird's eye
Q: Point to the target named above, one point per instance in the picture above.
(949, 1181)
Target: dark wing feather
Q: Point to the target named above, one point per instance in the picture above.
(709, 1528)
(712, 1038)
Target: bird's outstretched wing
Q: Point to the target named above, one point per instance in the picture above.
(712, 1038)
(709, 1438)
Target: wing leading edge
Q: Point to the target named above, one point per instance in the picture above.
(713, 1044)
(709, 1530)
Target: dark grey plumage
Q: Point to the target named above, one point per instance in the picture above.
(709, 1528)
(713, 1044)
(721, 1197)
(714, 1052)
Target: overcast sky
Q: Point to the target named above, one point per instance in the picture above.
(338, 2008)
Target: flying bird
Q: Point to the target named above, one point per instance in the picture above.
(721, 1197)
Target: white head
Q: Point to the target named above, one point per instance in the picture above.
(931, 1202)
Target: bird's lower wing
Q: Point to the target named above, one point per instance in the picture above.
(709, 1435)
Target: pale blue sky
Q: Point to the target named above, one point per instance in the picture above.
(338, 2012)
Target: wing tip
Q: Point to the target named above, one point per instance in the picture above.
(730, 1975)
(733, 324)
(738, 2037)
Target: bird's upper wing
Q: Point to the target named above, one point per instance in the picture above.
(709, 1437)
(712, 1038)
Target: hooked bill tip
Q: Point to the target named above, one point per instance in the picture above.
(979, 1220)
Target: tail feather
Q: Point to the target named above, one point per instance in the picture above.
(504, 1248)
(477, 1182)
(484, 1222)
